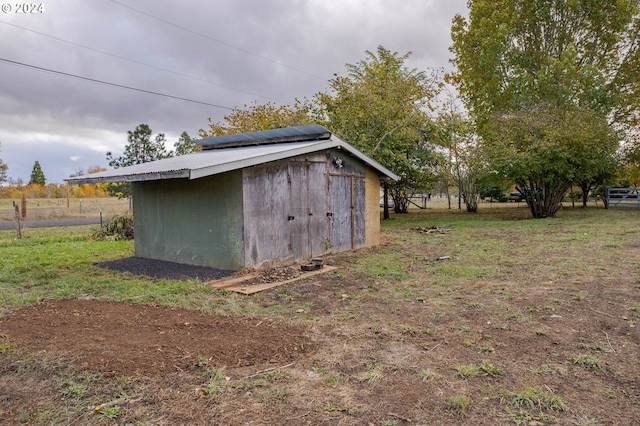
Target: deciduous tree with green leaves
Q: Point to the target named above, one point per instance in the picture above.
(185, 145)
(382, 107)
(37, 175)
(462, 160)
(141, 148)
(258, 117)
(549, 84)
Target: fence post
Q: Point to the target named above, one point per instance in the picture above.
(24, 206)
(17, 219)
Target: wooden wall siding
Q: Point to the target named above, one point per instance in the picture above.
(340, 211)
(266, 207)
(195, 222)
(346, 205)
(309, 206)
(286, 207)
(359, 209)
(338, 162)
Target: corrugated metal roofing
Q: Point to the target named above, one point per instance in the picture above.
(216, 161)
(285, 135)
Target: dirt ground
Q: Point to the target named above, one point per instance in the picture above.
(137, 340)
(353, 361)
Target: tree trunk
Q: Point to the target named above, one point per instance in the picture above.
(585, 193)
(385, 201)
(471, 201)
(544, 201)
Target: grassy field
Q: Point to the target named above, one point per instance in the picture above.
(492, 318)
(58, 208)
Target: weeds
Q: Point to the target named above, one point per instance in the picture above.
(589, 362)
(110, 412)
(119, 227)
(331, 381)
(73, 390)
(486, 349)
(635, 308)
(466, 370)
(320, 370)
(524, 417)
(216, 384)
(535, 398)
(428, 375)
(457, 404)
(373, 375)
(490, 369)
(275, 376)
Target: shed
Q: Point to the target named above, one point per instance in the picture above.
(254, 200)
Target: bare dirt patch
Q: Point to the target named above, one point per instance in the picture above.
(128, 339)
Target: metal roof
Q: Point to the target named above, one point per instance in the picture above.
(285, 135)
(216, 161)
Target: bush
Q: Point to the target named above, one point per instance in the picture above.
(119, 227)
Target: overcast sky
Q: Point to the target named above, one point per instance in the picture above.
(223, 53)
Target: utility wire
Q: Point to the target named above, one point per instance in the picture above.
(135, 61)
(93, 80)
(224, 43)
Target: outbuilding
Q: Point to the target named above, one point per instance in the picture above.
(254, 200)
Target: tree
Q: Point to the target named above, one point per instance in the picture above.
(185, 145)
(37, 175)
(381, 107)
(544, 151)
(530, 72)
(255, 117)
(141, 148)
(3, 171)
(462, 160)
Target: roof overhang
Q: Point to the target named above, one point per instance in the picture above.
(216, 161)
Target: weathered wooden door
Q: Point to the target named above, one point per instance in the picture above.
(308, 222)
(347, 208)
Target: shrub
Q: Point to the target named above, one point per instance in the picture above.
(119, 227)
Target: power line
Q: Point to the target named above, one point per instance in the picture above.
(224, 43)
(93, 80)
(136, 61)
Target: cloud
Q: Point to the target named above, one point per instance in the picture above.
(229, 53)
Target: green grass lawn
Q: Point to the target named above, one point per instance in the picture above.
(495, 244)
(58, 263)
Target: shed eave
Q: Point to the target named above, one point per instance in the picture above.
(177, 174)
